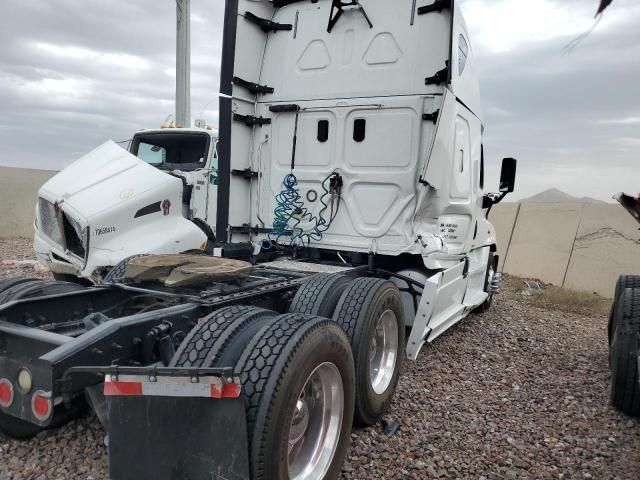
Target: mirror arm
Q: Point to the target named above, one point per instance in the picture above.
(500, 198)
(493, 199)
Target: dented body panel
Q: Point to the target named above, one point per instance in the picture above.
(115, 205)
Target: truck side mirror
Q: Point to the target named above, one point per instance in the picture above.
(508, 175)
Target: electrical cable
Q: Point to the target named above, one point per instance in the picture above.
(291, 214)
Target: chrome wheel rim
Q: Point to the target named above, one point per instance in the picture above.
(315, 428)
(383, 352)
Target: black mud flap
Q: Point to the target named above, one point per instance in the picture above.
(158, 430)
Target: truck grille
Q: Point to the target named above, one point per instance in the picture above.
(61, 228)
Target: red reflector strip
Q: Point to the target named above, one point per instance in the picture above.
(122, 389)
(172, 388)
(231, 390)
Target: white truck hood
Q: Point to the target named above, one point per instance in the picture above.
(102, 178)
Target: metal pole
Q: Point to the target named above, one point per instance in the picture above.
(183, 63)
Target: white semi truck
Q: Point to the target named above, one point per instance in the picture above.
(158, 197)
(351, 211)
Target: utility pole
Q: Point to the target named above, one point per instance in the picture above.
(183, 63)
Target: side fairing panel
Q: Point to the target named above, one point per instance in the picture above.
(464, 79)
(453, 198)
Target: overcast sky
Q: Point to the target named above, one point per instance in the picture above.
(74, 73)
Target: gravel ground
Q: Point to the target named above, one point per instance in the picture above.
(518, 392)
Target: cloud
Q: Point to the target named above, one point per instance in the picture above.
(76, 72)
(621, 121)
(568, 118)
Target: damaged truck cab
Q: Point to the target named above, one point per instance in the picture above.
(110, 204)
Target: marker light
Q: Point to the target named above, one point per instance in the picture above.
(25, 381)
(41, 405)
(6, 393)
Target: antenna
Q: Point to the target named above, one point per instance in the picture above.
(183, 63)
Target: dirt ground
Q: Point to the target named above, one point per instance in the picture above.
(518, 392)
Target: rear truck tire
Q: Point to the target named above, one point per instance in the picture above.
(116, 274)
(276, 356)
(298, 380)
(7, 283)
(370, 312)
(624, 352)
(37, 288)
(209, 339)
(491, 271)
(624, 282)
(320, 294)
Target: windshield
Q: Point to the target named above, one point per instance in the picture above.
(172, 150)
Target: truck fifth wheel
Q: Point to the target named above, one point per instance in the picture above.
(351, 229)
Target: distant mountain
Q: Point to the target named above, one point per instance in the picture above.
(553, 195)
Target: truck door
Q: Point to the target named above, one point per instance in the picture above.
(205, 188)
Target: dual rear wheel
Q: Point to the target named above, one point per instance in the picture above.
(369, 310)
(306, 375)
(298, 381)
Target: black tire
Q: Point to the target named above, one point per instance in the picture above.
(275, 366)
(486, 305)
(357, 312)
(209, 339)
(624, 352)
(320, 294)
(116, 274)
(7, 283)
(37, 288)
(624, 282)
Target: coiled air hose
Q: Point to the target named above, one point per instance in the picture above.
(291, 214)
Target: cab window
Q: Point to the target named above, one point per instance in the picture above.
(184, 151)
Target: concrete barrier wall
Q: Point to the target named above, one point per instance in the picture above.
(18, 194)
(607, 244)
(582, 247)
(542, 241)
(503, 217)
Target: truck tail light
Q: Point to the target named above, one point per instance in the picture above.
(6, 393)
(41, 405)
